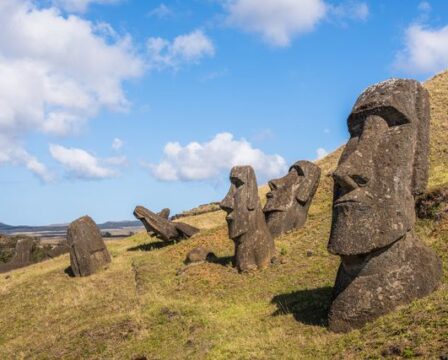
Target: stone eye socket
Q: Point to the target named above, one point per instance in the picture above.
(237, 182)
(360, 180)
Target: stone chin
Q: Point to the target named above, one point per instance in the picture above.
(275, 216)
(236, 229)
(358, 229)
(235, 233)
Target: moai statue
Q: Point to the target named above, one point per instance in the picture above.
(24, 248)
(290, 198)
(162, 227)
(88, 253)
(383, 167)
(254, 245)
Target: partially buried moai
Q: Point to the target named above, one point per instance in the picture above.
(24, 249)
(163, 228)
(290, 197)
(88, 253)
(254, 245)
(383, 167)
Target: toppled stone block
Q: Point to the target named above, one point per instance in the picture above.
(88, 252)
(199, 254)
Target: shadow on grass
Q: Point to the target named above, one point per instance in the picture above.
(152, 246)
(213, 259)
(224, 260)
(68, 271)
(309, 307)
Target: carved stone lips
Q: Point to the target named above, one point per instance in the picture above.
(347, 202)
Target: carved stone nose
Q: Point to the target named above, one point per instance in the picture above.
(350, 180)
(272, 185)
(227, 208)
(345, 181)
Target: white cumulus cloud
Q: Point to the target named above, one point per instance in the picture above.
(351, 9)
(208, 160)
(162, 11)
(277, 21)
(117, 144)
(81, 164)
(187, 48)
(321, 153)
(424, 6)
(56, 73)
(425, 50)
(79, 6)
(12, 153)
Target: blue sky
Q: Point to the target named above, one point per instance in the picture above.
(106, 104)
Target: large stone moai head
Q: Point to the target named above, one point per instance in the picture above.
(88, 253)
(241, 201)
(254, 246)
(290, 197)
(383, 166)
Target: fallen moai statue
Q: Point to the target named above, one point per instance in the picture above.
(88, 252)
(290, 198)
(383, 167)
(162, 227)
(254, 245)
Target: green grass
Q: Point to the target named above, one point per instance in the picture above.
(148, 303)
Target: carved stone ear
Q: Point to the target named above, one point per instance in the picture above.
(421, 163)
(311, 177)
(252, 190)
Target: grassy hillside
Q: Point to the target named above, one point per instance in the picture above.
(148, 304)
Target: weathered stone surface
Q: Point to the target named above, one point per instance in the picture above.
(163, 228)
(199, 254)
(22, 255)
(164, 213)
(24, 247)
(371, 285)
(383, 167)
(18, 251)
(57, 250)
(254, 245)
(186, 231)
(290, 198)
(88, 252)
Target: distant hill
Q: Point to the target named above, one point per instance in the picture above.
(10, 229)
(4, 227)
